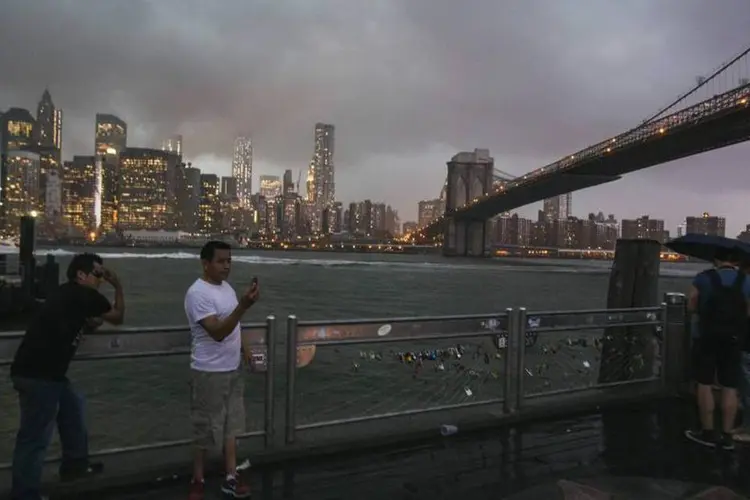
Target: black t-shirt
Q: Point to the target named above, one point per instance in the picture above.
(52, 337)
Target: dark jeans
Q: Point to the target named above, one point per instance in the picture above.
(44, 403)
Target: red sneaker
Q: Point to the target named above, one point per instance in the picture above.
(196, 490)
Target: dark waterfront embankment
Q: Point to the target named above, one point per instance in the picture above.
(628, 452)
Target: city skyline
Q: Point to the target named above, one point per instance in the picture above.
(393, 138)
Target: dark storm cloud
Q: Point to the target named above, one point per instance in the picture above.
(530, 79)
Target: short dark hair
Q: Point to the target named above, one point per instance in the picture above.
(209, 249)
(82, 262)
(727, 255)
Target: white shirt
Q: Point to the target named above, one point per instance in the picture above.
(202, 300)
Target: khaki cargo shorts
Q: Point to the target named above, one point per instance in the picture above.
(217, 407)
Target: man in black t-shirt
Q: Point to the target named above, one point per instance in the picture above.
(39, 371)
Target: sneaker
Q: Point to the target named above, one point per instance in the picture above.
(741, 435)
(234, 487)
(76, 472)
(196, 490)
(726, 441)
(704, 437)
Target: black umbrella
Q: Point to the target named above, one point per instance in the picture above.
(706, 247)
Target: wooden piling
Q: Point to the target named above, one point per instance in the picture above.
(628, 352)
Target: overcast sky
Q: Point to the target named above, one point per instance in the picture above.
(407, 83)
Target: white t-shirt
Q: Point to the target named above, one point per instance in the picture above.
(202, 300)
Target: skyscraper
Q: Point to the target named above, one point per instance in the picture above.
(48, 139)
(321, 186)
(242, 170)
(173, 145)
(558, 207)
(144, 201)
(111, 137)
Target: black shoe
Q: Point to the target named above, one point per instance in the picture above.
(76, 472)
(704, 437)
(726, 441)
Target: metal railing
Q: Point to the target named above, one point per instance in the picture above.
(525, 344)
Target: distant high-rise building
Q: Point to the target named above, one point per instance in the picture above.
(53, 194)
(173, 145)
(288, 183)
(242, 170)
(22, 193)
(144, 194)
(270, 186)
(79, 193)
(188, 198)
(558, 207)
(16, 134)
(48, 131)
(321, 185)
(209, 205)
(644, 228)
(229, 187)
(429, 210)
(111, 138)
(706, 224)
(48, 138)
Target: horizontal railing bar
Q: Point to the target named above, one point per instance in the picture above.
(133, 330)
(134, 355)
(162, 445)
(594, 311)
(559, 392)
(405, 413)
(391, 340)
(568, 328)
(405, 319)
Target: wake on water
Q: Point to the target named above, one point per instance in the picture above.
(579, 268)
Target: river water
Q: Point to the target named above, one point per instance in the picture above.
(148, 397)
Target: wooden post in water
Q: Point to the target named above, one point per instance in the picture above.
(628, 352)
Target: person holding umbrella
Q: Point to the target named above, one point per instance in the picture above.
(720, 297)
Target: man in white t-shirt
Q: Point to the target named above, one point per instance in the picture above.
(217, 409)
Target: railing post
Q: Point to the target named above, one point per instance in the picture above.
(675, 341)
(270, 399)
(511, 362)
(291, 376)
(521, 336)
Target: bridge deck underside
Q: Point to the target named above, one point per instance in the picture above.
(704, 134)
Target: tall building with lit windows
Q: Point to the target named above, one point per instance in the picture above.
(16, 134)
(111, 138)
(209, 205)
(558, 207)
(48, 139)
(22, 186)
(78, 193)
(706, 224)
(144, 197)
(242, 170)
(321, 185)
(270, 186)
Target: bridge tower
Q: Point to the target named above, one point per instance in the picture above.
(470, 175)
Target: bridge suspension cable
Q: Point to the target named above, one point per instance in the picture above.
(702, 82)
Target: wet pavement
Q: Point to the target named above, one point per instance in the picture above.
(635, 452)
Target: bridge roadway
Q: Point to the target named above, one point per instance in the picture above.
(636, 451)
(712, 124)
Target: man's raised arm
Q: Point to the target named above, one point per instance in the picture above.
(116, 314)
(204, 313)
